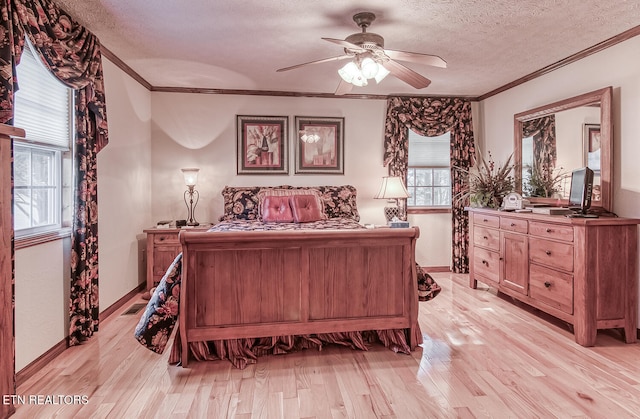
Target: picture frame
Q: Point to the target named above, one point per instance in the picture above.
(591, 139)
(262, 145)
(319, 145)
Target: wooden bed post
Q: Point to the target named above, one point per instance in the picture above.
(182, 328)
(415, 335)
(7, 332)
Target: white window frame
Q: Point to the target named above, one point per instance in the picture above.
(413, 185)
(61, 199)
(31, 187)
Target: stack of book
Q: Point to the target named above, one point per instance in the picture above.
(552, 210)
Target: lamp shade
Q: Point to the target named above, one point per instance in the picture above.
(382, 73)
(349, 71)
(392, 188)
(369, 68)
(190, 176)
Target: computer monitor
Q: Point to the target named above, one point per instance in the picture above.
(581, 187)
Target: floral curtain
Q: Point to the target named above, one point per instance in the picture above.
(433, 117)
(543, 131)
(72, 54)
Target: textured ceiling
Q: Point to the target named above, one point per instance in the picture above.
(239, 44)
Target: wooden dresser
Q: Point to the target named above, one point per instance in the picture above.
(583, 271)
(163, 246)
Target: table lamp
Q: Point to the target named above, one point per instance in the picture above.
(392, 189)
(190, 179)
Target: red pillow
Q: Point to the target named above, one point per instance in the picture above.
(305, 208)
(276, 209)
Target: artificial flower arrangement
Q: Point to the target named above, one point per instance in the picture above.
(486, 184)
(543, 182)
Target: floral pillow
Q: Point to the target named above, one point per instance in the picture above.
(240, 203)
(340, 201)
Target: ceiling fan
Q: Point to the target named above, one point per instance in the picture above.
(370, 60)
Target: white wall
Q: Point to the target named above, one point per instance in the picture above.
(618, 66)
(124, 196)
(41, 292)
(124, 186)
(199, 130)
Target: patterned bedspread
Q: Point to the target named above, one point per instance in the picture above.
(161, 314)
(255, 225)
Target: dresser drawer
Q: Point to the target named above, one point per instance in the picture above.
(166, 238)
(514, 224)
(486, 237)
(486, 220)
(551, 287)
(553, 254)
(551, 231)
(486, 264)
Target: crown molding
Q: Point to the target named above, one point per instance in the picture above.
(566, 61)
(262, 93)
(124, 67)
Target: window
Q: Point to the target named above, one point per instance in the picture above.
(43, 110)
(429, 174)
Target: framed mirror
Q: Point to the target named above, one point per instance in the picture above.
(553, 140)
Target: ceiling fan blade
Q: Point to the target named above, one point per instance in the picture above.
(343, 88)
(345, 44)
(406, 74)
(416, 57)
(324, 60)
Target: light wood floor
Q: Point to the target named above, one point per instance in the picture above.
(482, 357)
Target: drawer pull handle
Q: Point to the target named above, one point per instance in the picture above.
(485, 263)
(484, 220)
(513, 224)
(549, 230)
(485, 237)
(548, 252)
(547, 284)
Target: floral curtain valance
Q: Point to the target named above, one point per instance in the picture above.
(428, 117)
(70, 52)
(433, 117)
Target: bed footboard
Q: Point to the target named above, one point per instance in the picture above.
(253, 284)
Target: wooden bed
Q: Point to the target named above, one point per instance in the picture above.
(254, 284)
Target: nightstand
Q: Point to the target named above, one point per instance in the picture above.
(163, 246)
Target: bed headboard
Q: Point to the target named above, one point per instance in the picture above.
(241, 202)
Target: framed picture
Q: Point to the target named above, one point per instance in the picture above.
(262, 144)
(591, 138)
(319, 145)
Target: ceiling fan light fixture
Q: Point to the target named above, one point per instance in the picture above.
(370, 60)
(349, 72)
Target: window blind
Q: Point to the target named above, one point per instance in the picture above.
(42, 103)
(429, 151)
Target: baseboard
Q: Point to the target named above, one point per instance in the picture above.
(121, 302)
(430, 269)
(37, 364)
